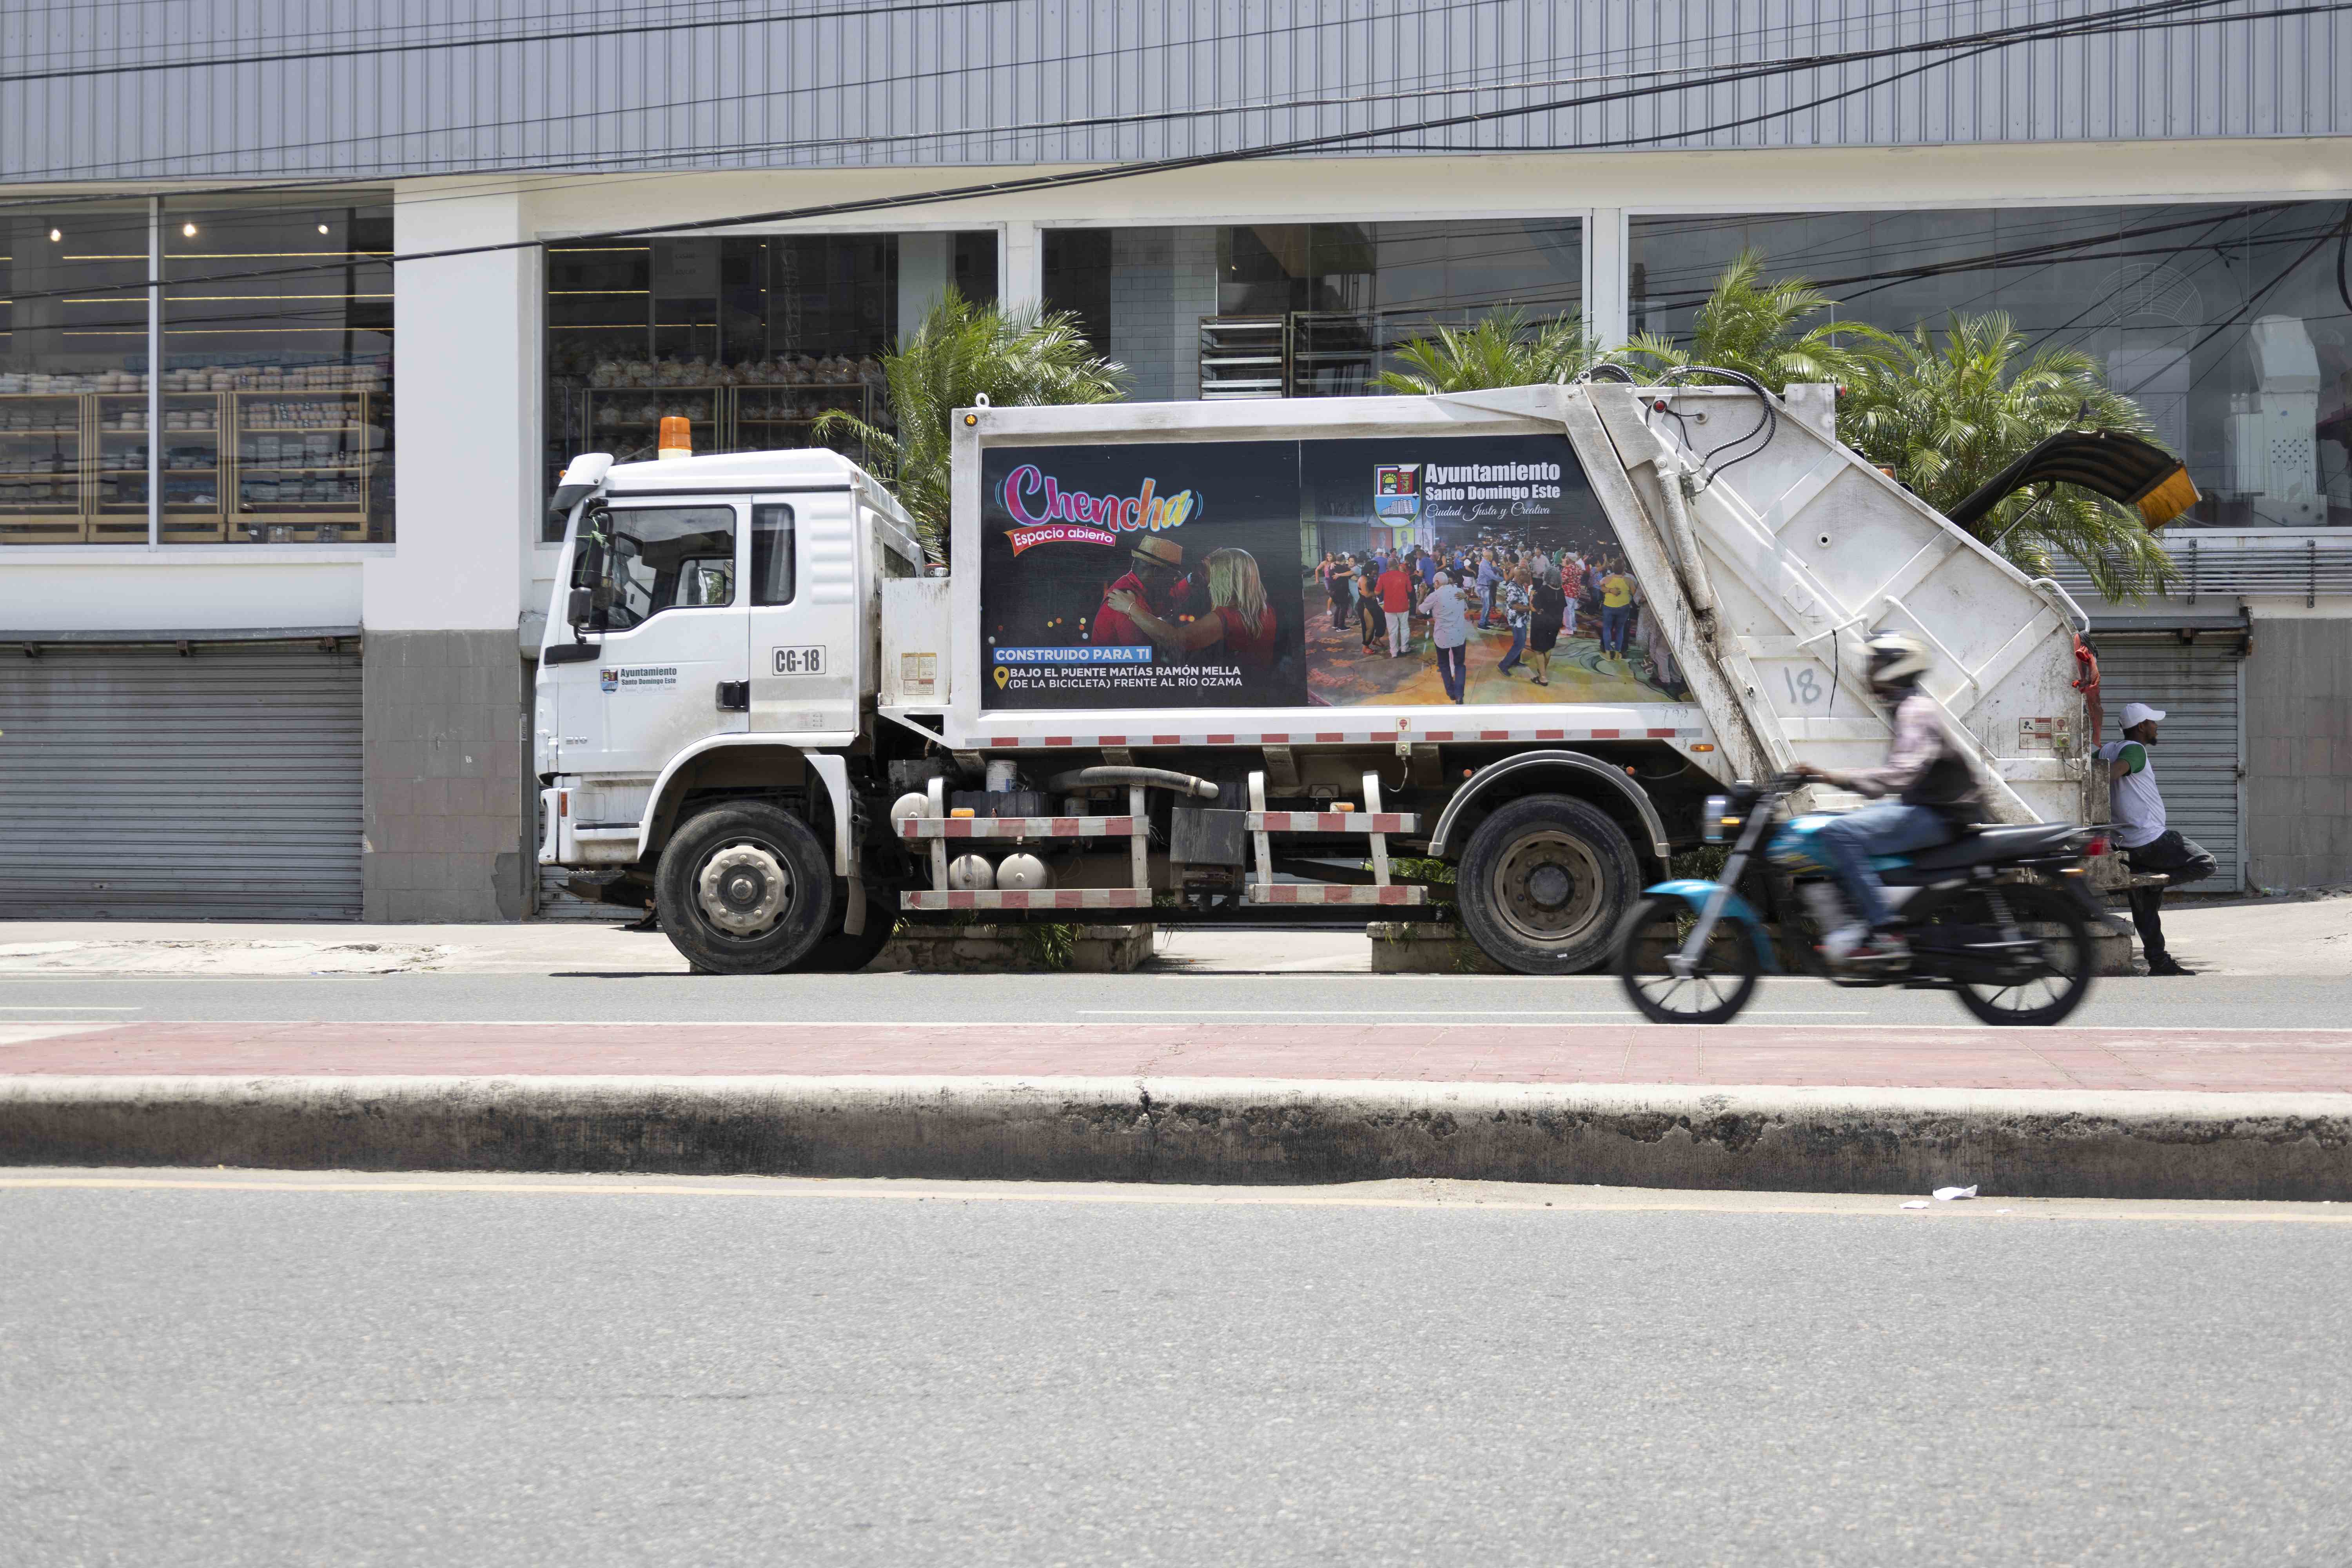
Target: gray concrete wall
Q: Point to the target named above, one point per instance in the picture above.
(442, 738)
(1163, 281)
(2299, 753)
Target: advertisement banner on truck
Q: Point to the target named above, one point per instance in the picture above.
(1405, 569)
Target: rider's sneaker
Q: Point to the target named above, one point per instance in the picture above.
(1840, 943)
(1885, 946)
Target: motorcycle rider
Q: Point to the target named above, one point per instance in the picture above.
(1935, 790)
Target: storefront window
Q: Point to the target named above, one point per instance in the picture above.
(1299, 310)
(73, 354)
(751, 340)
(2228, 324)
(278, 409)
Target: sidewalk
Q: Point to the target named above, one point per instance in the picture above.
(1811, 1056)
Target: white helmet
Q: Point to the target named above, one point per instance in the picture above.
(1895, 663)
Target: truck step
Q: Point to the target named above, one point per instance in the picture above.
(1332, 822)
(1325, 893)
(1030, 899)
(1017, 827)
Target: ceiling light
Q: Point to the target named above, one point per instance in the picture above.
(323, 228)
(189, 229)
(56, 235)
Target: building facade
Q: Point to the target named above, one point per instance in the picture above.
(299, 326)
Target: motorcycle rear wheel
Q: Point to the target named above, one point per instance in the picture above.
(2048, 918)
(1657, 926)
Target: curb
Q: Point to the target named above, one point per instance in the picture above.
(2016, 1143)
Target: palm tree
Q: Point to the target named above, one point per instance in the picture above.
(1502, 350)
(962, 350)
(1757, 328)
(1946, 413)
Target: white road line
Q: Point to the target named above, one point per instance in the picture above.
(62, 1007)
(1516, 1195)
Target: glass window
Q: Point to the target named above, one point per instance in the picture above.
(659, 558)
(751, 339)
(1299, 310)
(2228, 324)
(73, 382)
(277, 363)
(772, 555)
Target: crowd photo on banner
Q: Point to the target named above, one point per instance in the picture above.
(1478, 571)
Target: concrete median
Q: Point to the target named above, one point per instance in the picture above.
(2139, 1143)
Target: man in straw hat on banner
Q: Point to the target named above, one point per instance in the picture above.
(2148, 845)
(1156, 578)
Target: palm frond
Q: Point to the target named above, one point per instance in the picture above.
(960, 350)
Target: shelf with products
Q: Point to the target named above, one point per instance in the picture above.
(251, 456)
(43, 447)
(305, 464)
(627, 419)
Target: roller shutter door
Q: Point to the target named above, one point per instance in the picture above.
(140, 783)
(2197, 686)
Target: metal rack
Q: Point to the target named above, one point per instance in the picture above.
(1244, 356)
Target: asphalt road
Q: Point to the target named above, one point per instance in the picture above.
(2204, 1002)
(802, 1373)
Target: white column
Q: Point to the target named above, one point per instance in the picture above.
(221, 455)
(1020, 267)
(1608, 311)
(464, 384)
(925, 267)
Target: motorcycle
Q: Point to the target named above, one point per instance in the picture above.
(2001, 917)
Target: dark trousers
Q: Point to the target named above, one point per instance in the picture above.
(1340, 607)
(1454, 669)
(2171, 856)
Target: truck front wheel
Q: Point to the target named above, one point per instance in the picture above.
(1544, 883)
(744, 888)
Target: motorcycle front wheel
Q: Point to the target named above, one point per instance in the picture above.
(1713, 992)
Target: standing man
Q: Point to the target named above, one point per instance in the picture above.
(1488, 577)
(1616, 611)
(2149, 846)
(1396, 602)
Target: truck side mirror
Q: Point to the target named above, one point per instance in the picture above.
(578, 608)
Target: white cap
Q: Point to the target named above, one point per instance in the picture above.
(2138, 713)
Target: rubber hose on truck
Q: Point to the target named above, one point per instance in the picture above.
(1153, 778)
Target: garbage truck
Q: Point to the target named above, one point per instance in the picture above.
(1191, 662)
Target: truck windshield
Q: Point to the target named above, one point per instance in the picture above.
(662, 558)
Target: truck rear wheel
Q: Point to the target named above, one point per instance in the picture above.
(1544, 884)
(744, 888)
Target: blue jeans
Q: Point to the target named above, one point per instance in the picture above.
(1890, 827)
(1453, 669)
(1615, 621)
(1518, 647)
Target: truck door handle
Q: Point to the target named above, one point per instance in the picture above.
(735, 696)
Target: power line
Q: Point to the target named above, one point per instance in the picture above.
(2142, 18)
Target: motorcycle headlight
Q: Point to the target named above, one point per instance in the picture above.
(1719, 820)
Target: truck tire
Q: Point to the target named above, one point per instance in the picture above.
(744, 888)
(1544, 884)
(838, 952)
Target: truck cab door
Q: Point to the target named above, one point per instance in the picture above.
(806, 647)
(670, 667)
